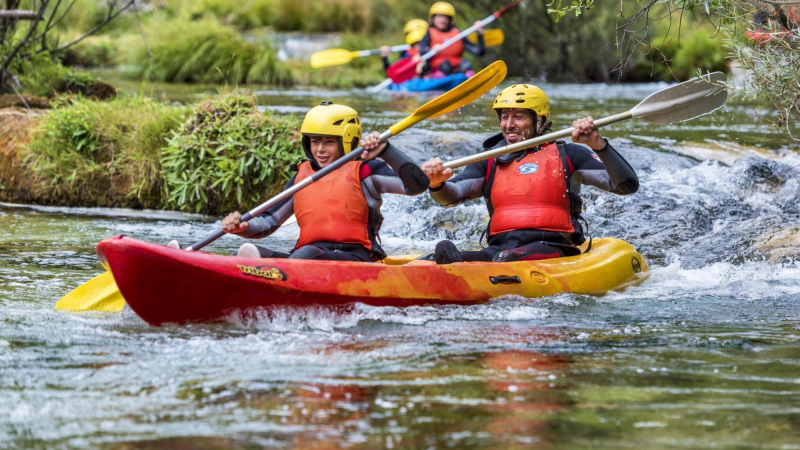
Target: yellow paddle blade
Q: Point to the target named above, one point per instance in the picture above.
(491, 38)
(461, 95)
(332, 57)
(98, 294)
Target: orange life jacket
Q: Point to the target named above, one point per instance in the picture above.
(531, 193)
(333, 208)
(452, 53)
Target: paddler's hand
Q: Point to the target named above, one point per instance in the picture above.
(479, 27)
(231, 224)
(436, 172)
(586, 133)
(372, 146)
(385, 50)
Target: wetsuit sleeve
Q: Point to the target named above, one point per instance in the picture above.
(468, 185)
(386, 62)
(425, 44)
(605, 169)
(398, 175)
(266, 223)
(477, 49)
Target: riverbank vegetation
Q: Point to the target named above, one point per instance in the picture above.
(132, 151)
(227, 42)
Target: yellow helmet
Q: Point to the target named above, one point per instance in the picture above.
(415, 36)
(414, 24)
(526, 96)
(328, 119)
(443, 8)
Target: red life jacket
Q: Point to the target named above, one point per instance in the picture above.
(333, 208)
(451, 53)
(412, 52)
(531, 193)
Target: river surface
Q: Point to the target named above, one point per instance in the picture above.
(704, 354)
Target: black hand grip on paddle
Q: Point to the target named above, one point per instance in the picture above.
(505, 279)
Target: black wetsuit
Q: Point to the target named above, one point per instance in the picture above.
(605, 169)
(396, 174)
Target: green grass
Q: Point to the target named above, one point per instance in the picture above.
(207, 51)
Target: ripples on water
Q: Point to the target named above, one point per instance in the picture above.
(704, 353)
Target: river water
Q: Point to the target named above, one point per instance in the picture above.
(705, 353)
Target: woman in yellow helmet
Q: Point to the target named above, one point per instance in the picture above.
(449, 60)
(533, 195)
(339, 215)
(415, 30)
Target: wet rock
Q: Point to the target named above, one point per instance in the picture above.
(727, 153)
(450, 144)
(96, 90)
(781, 245)
(15, 126)
(752, 172)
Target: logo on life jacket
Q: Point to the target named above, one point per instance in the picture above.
(270, 273)
(528, 168)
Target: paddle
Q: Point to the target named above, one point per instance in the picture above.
(405, 70)
(677, 103)
(338, 56)
(101, 293)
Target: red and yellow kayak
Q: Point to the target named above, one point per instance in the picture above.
(166, 285)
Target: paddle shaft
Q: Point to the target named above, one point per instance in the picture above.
(288, 193)
(406, 47)
(532, 142)
(392, 49)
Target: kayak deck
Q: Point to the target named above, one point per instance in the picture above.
(164, 285)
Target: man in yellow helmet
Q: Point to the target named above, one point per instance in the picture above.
(449, 60)
(339, 214)
(533, 195)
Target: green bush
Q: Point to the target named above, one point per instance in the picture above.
(229, 156)
(207, 51)
(40, 74)
(94, 51)
(90, 153)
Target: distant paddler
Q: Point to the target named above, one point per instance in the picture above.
(415, 30)
(450, 60)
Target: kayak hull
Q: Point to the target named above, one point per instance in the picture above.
(166, 285)
(445, 83)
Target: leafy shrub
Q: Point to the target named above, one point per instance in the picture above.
(229, 156)
(92, 153)
(39, 74)
(207, 51)
(94, 51)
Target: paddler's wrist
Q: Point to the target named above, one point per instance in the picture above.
(435, 188)
(602, 146)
